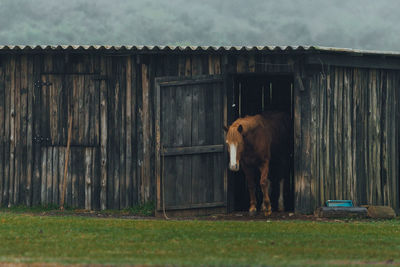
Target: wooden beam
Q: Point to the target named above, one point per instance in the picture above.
(174, 151)
(199, 80)
(359, 61)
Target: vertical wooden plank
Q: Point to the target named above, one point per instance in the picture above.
(95, 111)
(7, 116)
(159, 170)
(317, 140)
(17, 132)
(103, 136)
(185, 184)
(188, 66)
(360, 137)
(299, 187)
(128, 141)
(2, 127)
(252, 63)
(111, 132)
(331, 135)
(355, 133)
(393, 128)
(29, 135)
(335, 134)
(394, 140)
(339, 174)
(69, 108)
(55, 175)
(322, 144)
(169, 94)
(347, 131)
(23, 130)
(181, 66)
(218, 138)
(12, 132)
(135, 149)
(49, 185)
(74, 159)
(53, 90)
(378, 138)
(371, 135)
(145, 186)
(307, 197)
(396, 157)
(36, 110)
(87, 123)
(327, 133)
(384, 137)
(69, 191)
(61, 165)
(43, 199)
(95, 169)
(197, 65)
(365, 149)
(208, 132)
(313, 143)
(117, 130)
(88, 177)
(81, 92)
(122, 139)
(75, 109)
(242, 64)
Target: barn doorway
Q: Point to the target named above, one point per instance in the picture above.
(252, 94)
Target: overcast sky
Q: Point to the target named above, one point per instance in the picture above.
(362, 24)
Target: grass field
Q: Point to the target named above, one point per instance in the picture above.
(74, 239)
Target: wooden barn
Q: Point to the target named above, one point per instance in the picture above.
(147, 124)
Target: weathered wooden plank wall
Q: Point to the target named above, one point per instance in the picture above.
(351, 118)
(346, 127)
(111, 100)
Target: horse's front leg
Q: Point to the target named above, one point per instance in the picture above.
(264, 183)
(249, 173)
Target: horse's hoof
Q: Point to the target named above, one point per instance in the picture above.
(253, 213)
(267, 213)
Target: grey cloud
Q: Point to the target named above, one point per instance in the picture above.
(363, 24)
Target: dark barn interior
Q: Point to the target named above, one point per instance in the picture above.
(253, 94)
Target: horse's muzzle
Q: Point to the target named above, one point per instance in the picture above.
(234, 167)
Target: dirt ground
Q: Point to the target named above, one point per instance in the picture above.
(234, 216)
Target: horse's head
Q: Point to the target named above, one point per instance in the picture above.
(235, 142)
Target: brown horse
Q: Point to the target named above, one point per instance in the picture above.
(253, 142)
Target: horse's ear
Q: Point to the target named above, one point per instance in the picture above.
(240, 128)
(225, 128)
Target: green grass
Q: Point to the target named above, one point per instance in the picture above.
(73, 239)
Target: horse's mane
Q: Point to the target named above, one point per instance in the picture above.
(248, 123)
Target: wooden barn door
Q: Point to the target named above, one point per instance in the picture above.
(191, 173)
(61, 96)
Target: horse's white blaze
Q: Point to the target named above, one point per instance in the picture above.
(232, 152)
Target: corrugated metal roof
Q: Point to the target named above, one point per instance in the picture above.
(125, 48)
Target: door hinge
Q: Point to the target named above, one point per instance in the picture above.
(40, 139)
(40, 84)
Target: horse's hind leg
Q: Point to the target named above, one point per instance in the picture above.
(281, 204)
(249, 173)
(264, 182)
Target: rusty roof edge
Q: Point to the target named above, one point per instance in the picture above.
(156, 48)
